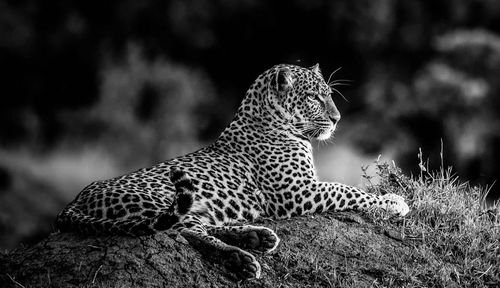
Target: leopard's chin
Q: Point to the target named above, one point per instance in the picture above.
(327, 133)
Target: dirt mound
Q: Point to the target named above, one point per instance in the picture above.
(334, 249)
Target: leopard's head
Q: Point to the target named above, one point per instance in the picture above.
(303, 98)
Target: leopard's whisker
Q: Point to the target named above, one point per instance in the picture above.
(331, 74)
(336, 90)
(339, 84)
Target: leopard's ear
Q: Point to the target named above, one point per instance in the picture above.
(316, 69)
(282, 80)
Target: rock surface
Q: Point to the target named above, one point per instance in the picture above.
(333, 249)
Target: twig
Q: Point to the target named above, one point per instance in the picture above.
(95, 275)
(15, 282)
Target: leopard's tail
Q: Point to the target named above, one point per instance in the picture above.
(72, 219)
(184, 190)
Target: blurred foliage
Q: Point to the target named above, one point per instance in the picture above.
(159, 108)
(135, 82)
(453, 97)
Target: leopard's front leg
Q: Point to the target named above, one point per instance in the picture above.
(251, 237)
(318, 197)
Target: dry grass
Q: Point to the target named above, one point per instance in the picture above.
(456, 237)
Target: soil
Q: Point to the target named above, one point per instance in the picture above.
(328, 250)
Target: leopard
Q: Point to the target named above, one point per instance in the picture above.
(261, 166)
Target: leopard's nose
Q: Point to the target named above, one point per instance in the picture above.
(335, 118)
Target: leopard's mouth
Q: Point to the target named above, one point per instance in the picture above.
(322, 130)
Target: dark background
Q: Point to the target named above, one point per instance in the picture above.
(93, 89)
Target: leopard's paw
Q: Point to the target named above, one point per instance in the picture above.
(395, 204)
(261, 239)
(243, 264)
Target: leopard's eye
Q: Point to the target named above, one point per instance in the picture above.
(313, 96)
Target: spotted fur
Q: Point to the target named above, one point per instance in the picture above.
(261, 165)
